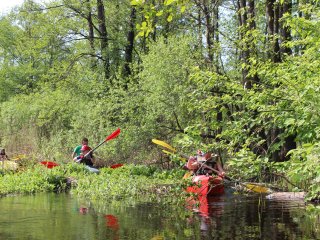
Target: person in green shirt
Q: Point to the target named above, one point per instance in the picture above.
(77, 150)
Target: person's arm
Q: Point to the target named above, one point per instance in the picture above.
(74, 153)
(192, 163)
(220, 168)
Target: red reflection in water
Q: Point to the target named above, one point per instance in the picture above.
(112, 222)
(208, 211)
(83, 210)
(205, 206)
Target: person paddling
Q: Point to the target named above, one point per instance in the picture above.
(84, 157)
(77, 150)
(3, 156)
(205, 163)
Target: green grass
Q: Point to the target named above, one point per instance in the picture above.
(127, 182)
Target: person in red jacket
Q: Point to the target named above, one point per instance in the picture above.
(205, 163)
(86, 156)
(77, 150)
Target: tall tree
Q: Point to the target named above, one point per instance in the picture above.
(247, 24)
(207, 16)
(130, 43)
(278, 34)
(104, 41)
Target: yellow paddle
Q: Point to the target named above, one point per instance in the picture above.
(257, 188)
(187, 175)
(167, 146)
(167, 152)
(163, 144)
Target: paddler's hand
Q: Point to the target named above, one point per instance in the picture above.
(77, 159)
(222, 174)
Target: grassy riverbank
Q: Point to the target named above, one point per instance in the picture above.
(130, 181)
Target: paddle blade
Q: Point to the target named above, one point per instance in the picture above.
(163, 144)
(257, 188)
(116, 165)
(49, 164)
(113, 135)
(187, 175)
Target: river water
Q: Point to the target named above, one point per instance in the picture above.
(64, 216)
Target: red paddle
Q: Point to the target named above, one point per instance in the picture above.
(110, 137)
(116, 165)
(49, 164)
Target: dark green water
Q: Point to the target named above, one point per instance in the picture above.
(63, 216)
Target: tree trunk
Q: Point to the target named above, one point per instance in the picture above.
(91, 33)
(276, 47)
(277, 30)
(130, 44)
(247, 23)
(286, 33)
(103, 39)
(244, 52)
(289, 141)
(209, 31)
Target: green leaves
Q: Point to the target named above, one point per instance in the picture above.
(169, 2)
(158, 15)
(136, 2)
(144, 29)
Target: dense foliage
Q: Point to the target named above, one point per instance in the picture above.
(239, 77)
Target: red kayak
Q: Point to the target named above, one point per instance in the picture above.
(206, 185)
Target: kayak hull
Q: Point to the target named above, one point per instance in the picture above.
(92, 169)
(203, 185)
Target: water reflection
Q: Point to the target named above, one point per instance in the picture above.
(52, 216)
(83, 210)
(112, 223)
(254, 217)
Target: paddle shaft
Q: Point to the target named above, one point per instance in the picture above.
(216, 171)
(252, 187)
(88, 153)
(110, 137)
